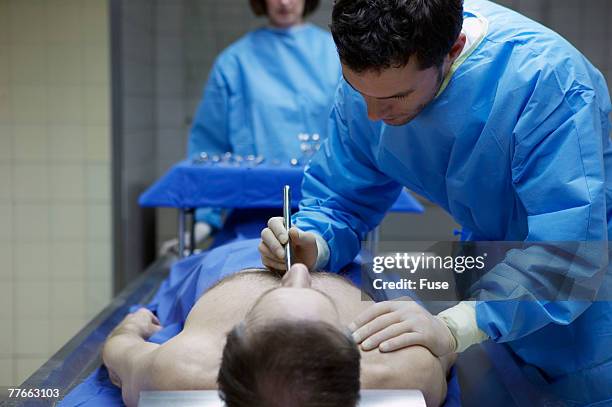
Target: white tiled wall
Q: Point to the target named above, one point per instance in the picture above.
(55, 252)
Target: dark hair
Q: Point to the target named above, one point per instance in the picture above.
(380, 34)
(289, 363)
(260, 9)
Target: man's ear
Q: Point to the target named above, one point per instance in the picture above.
(457, 48)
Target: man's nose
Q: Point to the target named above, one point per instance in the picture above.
(298, 276)
(374, 109)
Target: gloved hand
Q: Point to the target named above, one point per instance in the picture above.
(202, 232)
(273, 239)
(392, 325)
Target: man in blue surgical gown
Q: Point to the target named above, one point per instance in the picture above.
(505, 125)
(264, 90)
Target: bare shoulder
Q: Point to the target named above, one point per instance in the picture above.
(185, 362)
(414, 367)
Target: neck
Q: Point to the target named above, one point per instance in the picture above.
(275, 26)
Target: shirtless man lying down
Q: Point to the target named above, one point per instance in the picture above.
(266, 340)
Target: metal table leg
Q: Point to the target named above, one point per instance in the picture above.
(181, 233)
(192, 239)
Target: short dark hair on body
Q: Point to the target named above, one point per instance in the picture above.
(289, 363)
(380, 34)
(260, 9)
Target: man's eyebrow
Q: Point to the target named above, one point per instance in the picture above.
(399, 94)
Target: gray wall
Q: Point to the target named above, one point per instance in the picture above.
(168, 49)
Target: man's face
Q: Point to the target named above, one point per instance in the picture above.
(396, 95)
(285, 13)
(294, 299)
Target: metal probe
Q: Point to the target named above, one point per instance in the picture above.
(287, 217)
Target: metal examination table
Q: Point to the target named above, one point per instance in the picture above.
(488, 374)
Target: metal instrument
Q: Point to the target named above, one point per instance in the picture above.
(287, 218)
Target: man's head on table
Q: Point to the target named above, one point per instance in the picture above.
(290, 350)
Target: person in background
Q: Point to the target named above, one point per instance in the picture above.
(264, 90)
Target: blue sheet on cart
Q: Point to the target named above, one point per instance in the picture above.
(187, 281)
(188, 185)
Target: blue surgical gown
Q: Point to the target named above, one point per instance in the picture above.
(516, 148)
(264, 90)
